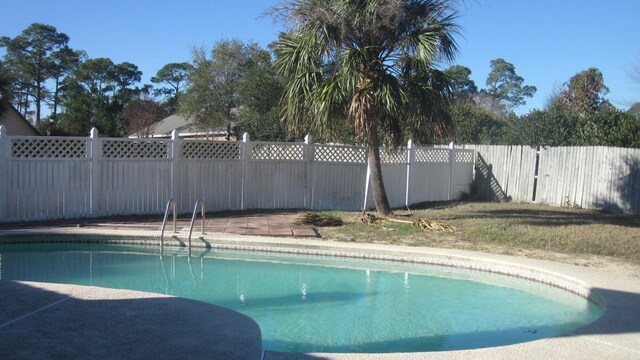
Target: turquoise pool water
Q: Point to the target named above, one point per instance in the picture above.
(320, 304)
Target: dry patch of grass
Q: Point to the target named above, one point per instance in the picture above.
(509, 228)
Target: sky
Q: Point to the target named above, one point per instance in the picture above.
(547, 41)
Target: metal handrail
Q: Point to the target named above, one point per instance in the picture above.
(193, 218)
(171, 202)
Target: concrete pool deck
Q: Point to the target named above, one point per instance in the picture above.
(616, 335)
(58, 321)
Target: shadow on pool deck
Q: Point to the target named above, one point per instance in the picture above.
(55, 321)
(621, 316)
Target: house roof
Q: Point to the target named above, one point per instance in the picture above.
(15, 123)
(184, 125)
(170, 123)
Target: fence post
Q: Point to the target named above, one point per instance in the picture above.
(95, 153)
(452, 162)
(366, 186)
(5, 153)
(410, 158)
(246, 157)
(176, 156)
(308, 164)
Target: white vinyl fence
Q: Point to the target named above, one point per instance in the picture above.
(591, 177)
(73, 177)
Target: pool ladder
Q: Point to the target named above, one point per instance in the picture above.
(193, 219)
(172, 204)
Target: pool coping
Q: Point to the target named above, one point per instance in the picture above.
(615, 334)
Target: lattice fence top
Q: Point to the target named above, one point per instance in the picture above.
(432, 155)
(211, 150)
(135, 149)
(464, 156)
(277, 152)
(396, 157)
(49, 148)
(342, 154)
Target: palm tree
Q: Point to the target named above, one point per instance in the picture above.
(369, 62)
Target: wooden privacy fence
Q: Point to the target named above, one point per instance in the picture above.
(72, 177)
(591, 177)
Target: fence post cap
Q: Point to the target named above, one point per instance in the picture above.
(3, 131)
(93, 133)
(307, 139)
(175, 134)
(452, 145)
(410, 143)
(246, 137)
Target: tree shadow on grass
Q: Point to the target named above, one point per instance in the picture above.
(555, 218)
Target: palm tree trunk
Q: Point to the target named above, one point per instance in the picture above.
(377, 185)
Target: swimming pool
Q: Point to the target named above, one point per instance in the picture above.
(322, 304)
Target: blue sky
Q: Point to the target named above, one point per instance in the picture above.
(548, 41)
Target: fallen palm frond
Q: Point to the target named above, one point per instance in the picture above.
(426, 225)
(309, 218)
(369, 218)
(430, 225)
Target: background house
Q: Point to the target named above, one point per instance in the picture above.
(15, 123)
(187, 129)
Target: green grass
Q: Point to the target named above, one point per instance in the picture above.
(508, 228)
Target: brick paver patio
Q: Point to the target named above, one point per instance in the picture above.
(253, 223)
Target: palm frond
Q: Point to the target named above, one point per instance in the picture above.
(361, 61)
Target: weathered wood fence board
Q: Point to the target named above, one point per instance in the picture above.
(60, 177)
(591, 177)
(505, 172)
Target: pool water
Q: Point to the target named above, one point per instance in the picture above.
(321, 304)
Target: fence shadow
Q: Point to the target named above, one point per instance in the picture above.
(486, 185)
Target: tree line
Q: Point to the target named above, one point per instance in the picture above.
(235, 86)
(361, 71)
(577, 114)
